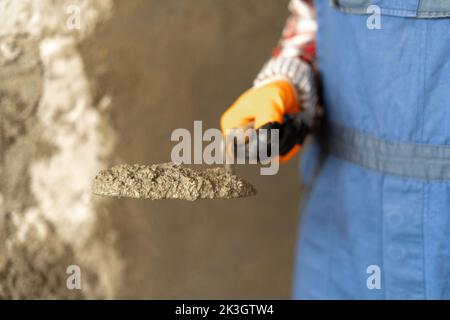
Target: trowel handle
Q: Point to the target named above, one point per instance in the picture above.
(292, 131)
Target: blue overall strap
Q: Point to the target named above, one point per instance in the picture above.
(419, 161)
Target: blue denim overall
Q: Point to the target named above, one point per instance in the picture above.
(379, 204)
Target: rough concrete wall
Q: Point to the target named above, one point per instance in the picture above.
(53, 142)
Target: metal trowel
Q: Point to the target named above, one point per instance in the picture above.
(171, 181)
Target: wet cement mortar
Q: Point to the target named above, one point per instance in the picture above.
(170, 181)
(51, 139)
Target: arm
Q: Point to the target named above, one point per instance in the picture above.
(294, 57)
(285, 84)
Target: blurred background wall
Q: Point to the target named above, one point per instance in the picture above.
(154, 66)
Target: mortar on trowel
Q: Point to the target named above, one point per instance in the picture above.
(171, 181)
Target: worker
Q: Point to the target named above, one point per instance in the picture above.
(376, 222)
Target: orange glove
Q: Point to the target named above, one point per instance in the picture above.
(262, 105)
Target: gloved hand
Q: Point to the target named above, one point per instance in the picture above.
(262, 105)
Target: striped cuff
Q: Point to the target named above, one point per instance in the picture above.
(300, 74)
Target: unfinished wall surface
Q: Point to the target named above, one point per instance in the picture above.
(53, 142)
